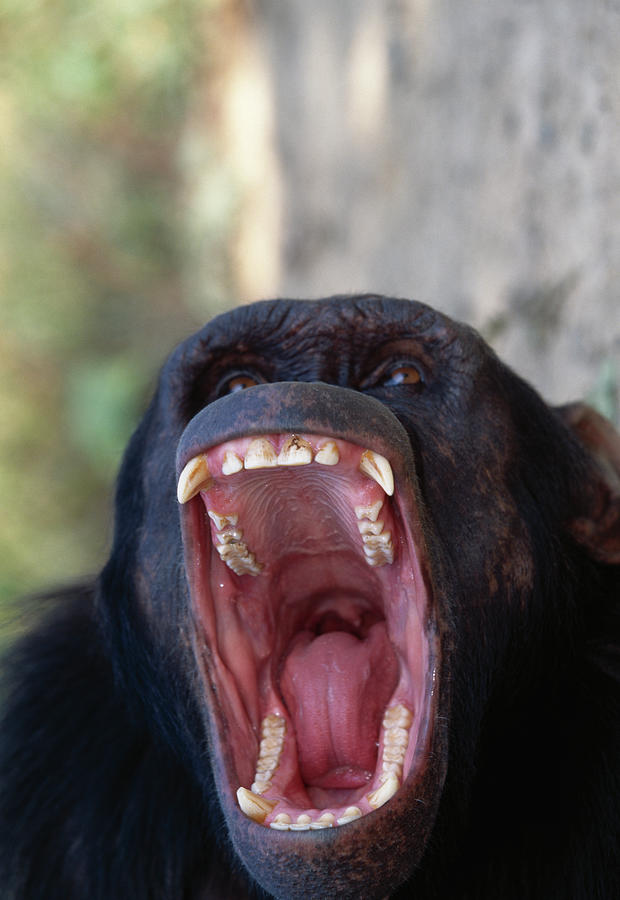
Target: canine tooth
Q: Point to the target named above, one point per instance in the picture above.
(221, 521)
(349, 815)
(365, 526)
(327, 455)
(369, 512)
(253, 806)
(231, 463)
(260, 455)
(326, 820)
(384, 793)
(194, 478)
(378, 468)
(295, 452)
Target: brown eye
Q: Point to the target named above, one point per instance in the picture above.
(403, 375)
(240, 383)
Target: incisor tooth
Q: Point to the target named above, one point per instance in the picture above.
(349, 815)
(194, 478)
(327, 455)
(295, 452)
(281, 822)
(302, 823)
(260, 455)
(384, 793)
(378, 468)
(253, 806)
(231, 463)
(327, 820)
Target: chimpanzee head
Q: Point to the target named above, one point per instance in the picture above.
(376, 522)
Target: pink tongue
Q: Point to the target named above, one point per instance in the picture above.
(336, 688)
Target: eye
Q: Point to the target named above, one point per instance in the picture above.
(402, 375)
(237, 383)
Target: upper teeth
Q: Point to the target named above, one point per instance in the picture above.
(194, 478)
(378, 468)
(261, 454)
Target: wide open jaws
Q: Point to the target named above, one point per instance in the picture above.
(309, 594)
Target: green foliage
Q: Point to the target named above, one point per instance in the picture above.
(93, 100)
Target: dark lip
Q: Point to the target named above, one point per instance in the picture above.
(299, 406)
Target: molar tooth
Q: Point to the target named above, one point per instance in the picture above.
(369, 512)
(253, 806)
(260, 455)
(394, 754)
(230, 536)
(349, 815)
(390, 768)
(222, 521)
(381, 541)
(262, 777)
(231, 463)
(295, 452)
(245, 566)
(378, 468)
(365, 526)
(396, 737)
(259, 787)
(271, 742)
(272, 721)
(397, 716)
(194, 478)
(382, 794)
(327, 454)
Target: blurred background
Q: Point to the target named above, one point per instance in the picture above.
(163, 160)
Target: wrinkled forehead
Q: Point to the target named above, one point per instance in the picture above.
(337, 324)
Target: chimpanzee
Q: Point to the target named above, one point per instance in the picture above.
(357, 637)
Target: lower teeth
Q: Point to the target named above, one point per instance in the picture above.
(396, 723)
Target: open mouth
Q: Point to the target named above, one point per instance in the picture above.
(313, 624)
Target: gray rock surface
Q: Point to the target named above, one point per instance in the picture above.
(465, 154)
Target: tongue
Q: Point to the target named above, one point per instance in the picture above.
(336, 688)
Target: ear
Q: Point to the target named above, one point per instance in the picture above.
(599, 529)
